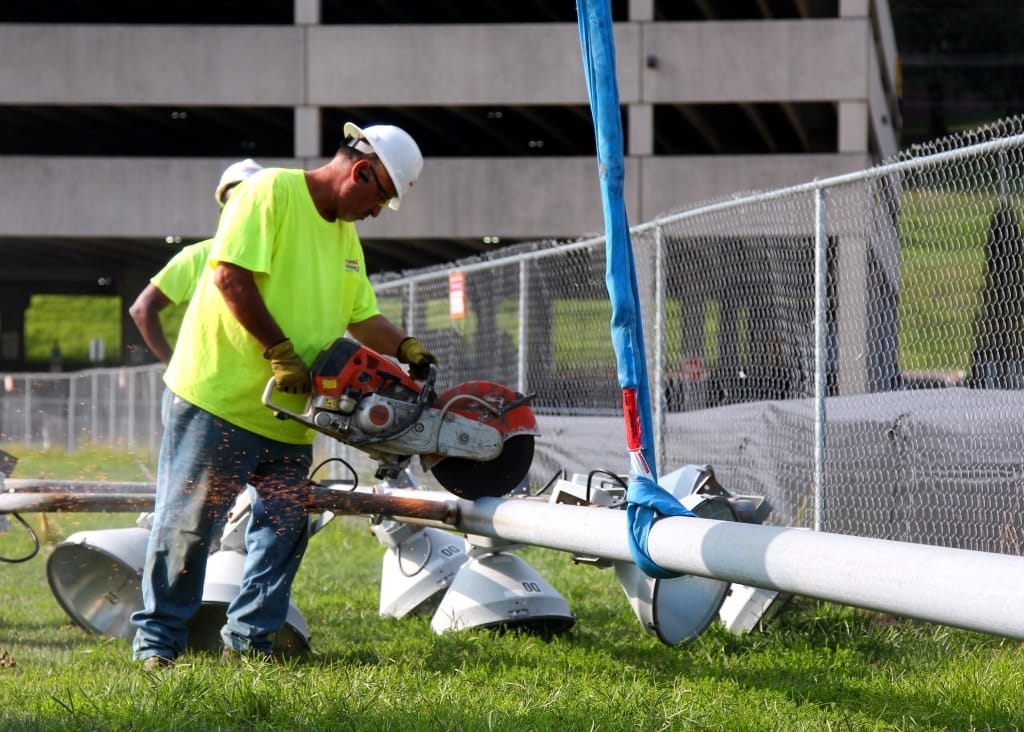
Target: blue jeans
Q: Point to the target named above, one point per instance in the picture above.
(204, 463)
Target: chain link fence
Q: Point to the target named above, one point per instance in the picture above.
(851, 348)
(65, 411)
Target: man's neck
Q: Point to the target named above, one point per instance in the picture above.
(319, 184)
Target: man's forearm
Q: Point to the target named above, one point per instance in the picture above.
(152, 332)
(378, 333)
(243, 299)
(145, 312)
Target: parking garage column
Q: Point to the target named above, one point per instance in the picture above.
(641, 9)
(641, 130)
(13, 304)
(307, 119)
(307, 12)
(853, 127)
(854, 8)
(307, 132)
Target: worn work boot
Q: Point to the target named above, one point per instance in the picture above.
(155, 663)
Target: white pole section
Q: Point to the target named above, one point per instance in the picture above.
(981, 591)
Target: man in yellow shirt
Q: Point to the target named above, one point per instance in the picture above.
(175, 283)
(285, 277)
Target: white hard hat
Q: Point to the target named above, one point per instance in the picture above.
(233, 174)
(397, 150)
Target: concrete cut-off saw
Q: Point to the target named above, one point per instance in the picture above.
(476, 438)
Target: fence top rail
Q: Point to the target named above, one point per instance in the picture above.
(434, 272)
(94, 371)
(814, 186)
(878, 171)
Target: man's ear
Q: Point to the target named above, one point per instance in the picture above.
(359, 168)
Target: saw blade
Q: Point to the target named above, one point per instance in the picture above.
(472, 479)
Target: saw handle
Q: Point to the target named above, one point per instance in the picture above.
(279, 411)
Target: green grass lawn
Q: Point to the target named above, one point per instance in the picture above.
(817, 666)
(942, 250)
(47, 324)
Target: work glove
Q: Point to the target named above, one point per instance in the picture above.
(412, 352)
(290, 373)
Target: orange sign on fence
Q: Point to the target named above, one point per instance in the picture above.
(457, 295)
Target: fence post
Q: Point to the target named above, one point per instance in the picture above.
(820, 353)
(524, 290)
(1002, 176)
(410, 317)
(658, 388)
(72, 404)
(27, 417)
(130, 376)
(115, 384)
(94, 407)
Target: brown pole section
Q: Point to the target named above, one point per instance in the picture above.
(353, 502)
(82, 496)
(82, 503)
(77, 487)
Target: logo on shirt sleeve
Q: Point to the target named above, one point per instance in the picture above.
(352, 265)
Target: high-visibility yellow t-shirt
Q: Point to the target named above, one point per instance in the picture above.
(311, 274)
(179, 277)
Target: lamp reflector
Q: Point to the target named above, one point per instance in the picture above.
(679, 609)
(501, 591)
(676, 610)
(96, 578)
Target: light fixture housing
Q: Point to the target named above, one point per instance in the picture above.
(96, 578)
(744, 607)
(679, 609)
(419, 566)
(224, 569)
(499, 590)
(747, 608)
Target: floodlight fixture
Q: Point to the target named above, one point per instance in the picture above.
(744, 607)
(96, 577)
(419, 566)
(499, 590)
(224, 570)
(678, 609)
